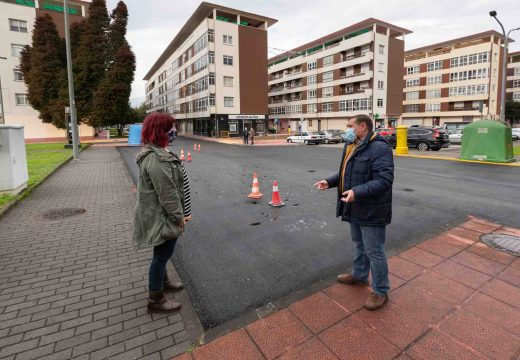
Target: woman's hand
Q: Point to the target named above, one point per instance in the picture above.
(187, 219)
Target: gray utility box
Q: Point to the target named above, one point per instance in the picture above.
(13, 160)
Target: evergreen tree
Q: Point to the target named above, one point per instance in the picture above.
(118, 27)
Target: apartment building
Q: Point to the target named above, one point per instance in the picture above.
(454, 82)
(212, 76)
(16, 25)
(513, 77)
(321, 84)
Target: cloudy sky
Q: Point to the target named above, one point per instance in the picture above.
(153, 24)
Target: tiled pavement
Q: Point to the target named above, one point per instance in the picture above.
(76, 288)
(452, 298)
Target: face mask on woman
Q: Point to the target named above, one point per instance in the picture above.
(171, 136)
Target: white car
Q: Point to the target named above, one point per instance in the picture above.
(516, 133)
(456, 136)
(306, 137)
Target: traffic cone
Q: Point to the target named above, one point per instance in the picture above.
(195, 147)
(189, 157)
(255, 191)
(199, 147)
(182, 155)
(276, 200)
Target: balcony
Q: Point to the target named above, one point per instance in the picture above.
(354, 56)
(354, 91)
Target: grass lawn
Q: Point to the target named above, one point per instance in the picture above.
(114, 134)
(42, 159)
(516, 150)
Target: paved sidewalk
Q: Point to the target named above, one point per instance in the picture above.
(76, 288)
(452, 298)
(259, 141)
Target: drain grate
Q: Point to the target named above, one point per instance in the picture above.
(58, 214)
(505, 243)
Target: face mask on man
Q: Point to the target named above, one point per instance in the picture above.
(350, 135)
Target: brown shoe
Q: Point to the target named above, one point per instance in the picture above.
(375, 301)
(348, 279)
(157, 302)
(169, 285)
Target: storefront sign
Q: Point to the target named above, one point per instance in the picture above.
(246, 117)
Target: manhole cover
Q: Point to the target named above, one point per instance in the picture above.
(505, 243)
(58, 214)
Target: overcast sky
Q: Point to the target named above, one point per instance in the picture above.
(153, 24)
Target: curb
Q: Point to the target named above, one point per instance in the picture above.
(459, 160)
(26, 192)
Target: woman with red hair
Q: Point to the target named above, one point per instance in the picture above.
(159, 212)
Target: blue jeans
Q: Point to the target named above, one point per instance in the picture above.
(161, 254)
(370, 256)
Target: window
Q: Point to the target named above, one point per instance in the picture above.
(16, 50)
(18, 25)
(311, 108)
(355, 105)
(228, 60)
(413, 69)
(311, 65)
(434, 65)
(328, 60)
(211, 57)
(478, 58)
(18, 75)
(380, 103)
(228, 81)
(327, 92)
(22, 100)
(433, 94)
(328, 76)
(411, 108)
(433, 107)
(211, 78)
(200, 43)
(516, 83)
(211, 35)
(381, 49)
(412, 82)
(228, 39)
(311, 80)
(469, 75)
(412, 95)
(229, 101)
(381, 67)
(380, 85)
(516, 96)
(311, 94)
(517, 71)
(469, 90)
(327, 107)
(436, 79)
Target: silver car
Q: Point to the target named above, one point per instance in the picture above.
(330, 136)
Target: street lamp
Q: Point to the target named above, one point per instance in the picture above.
(2, 121)
(504, 66)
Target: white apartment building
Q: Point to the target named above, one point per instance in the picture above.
(321, 84)
(449, 83)
(212, 76)
(17, 19)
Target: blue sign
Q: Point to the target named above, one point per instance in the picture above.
(134, 134)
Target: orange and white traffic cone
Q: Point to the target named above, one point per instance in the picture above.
(182, 155)
(255, 191)
(199, 147)
(276, 200)
(195, 147)
(189, 157)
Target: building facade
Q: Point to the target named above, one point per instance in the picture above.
(453, 83)
(356, 70)
(17, 19)
(513, 77)
(212, 76)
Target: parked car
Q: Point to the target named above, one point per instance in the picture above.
(306, 137)
(384, 132)
(331, 136)
(516, 133)
(424, 138)
(455, 136)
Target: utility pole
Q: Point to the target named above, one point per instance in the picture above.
(72, 103)
(2, 121)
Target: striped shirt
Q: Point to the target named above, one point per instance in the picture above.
(187, 194)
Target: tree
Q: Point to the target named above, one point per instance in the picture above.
(110, 107)
(43, 67)
(91, 58)
(117, 35)
(137, 114)
(512, 111)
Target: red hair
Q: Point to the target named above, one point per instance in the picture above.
(155, 129)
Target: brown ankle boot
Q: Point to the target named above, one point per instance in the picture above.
(375, 301)
(350, 280)
(157, 302)
(169, 285)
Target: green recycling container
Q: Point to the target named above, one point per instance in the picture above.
(487, 140)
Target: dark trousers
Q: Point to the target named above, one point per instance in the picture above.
(246, 140)
(252, 140)
(161, 254)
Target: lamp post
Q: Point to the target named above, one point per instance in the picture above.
(2, 121)
(72, 103)
(504, 66)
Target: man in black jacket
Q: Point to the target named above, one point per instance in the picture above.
(364, 183)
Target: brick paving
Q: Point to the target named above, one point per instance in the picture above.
(452, 298)
(77, 288)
